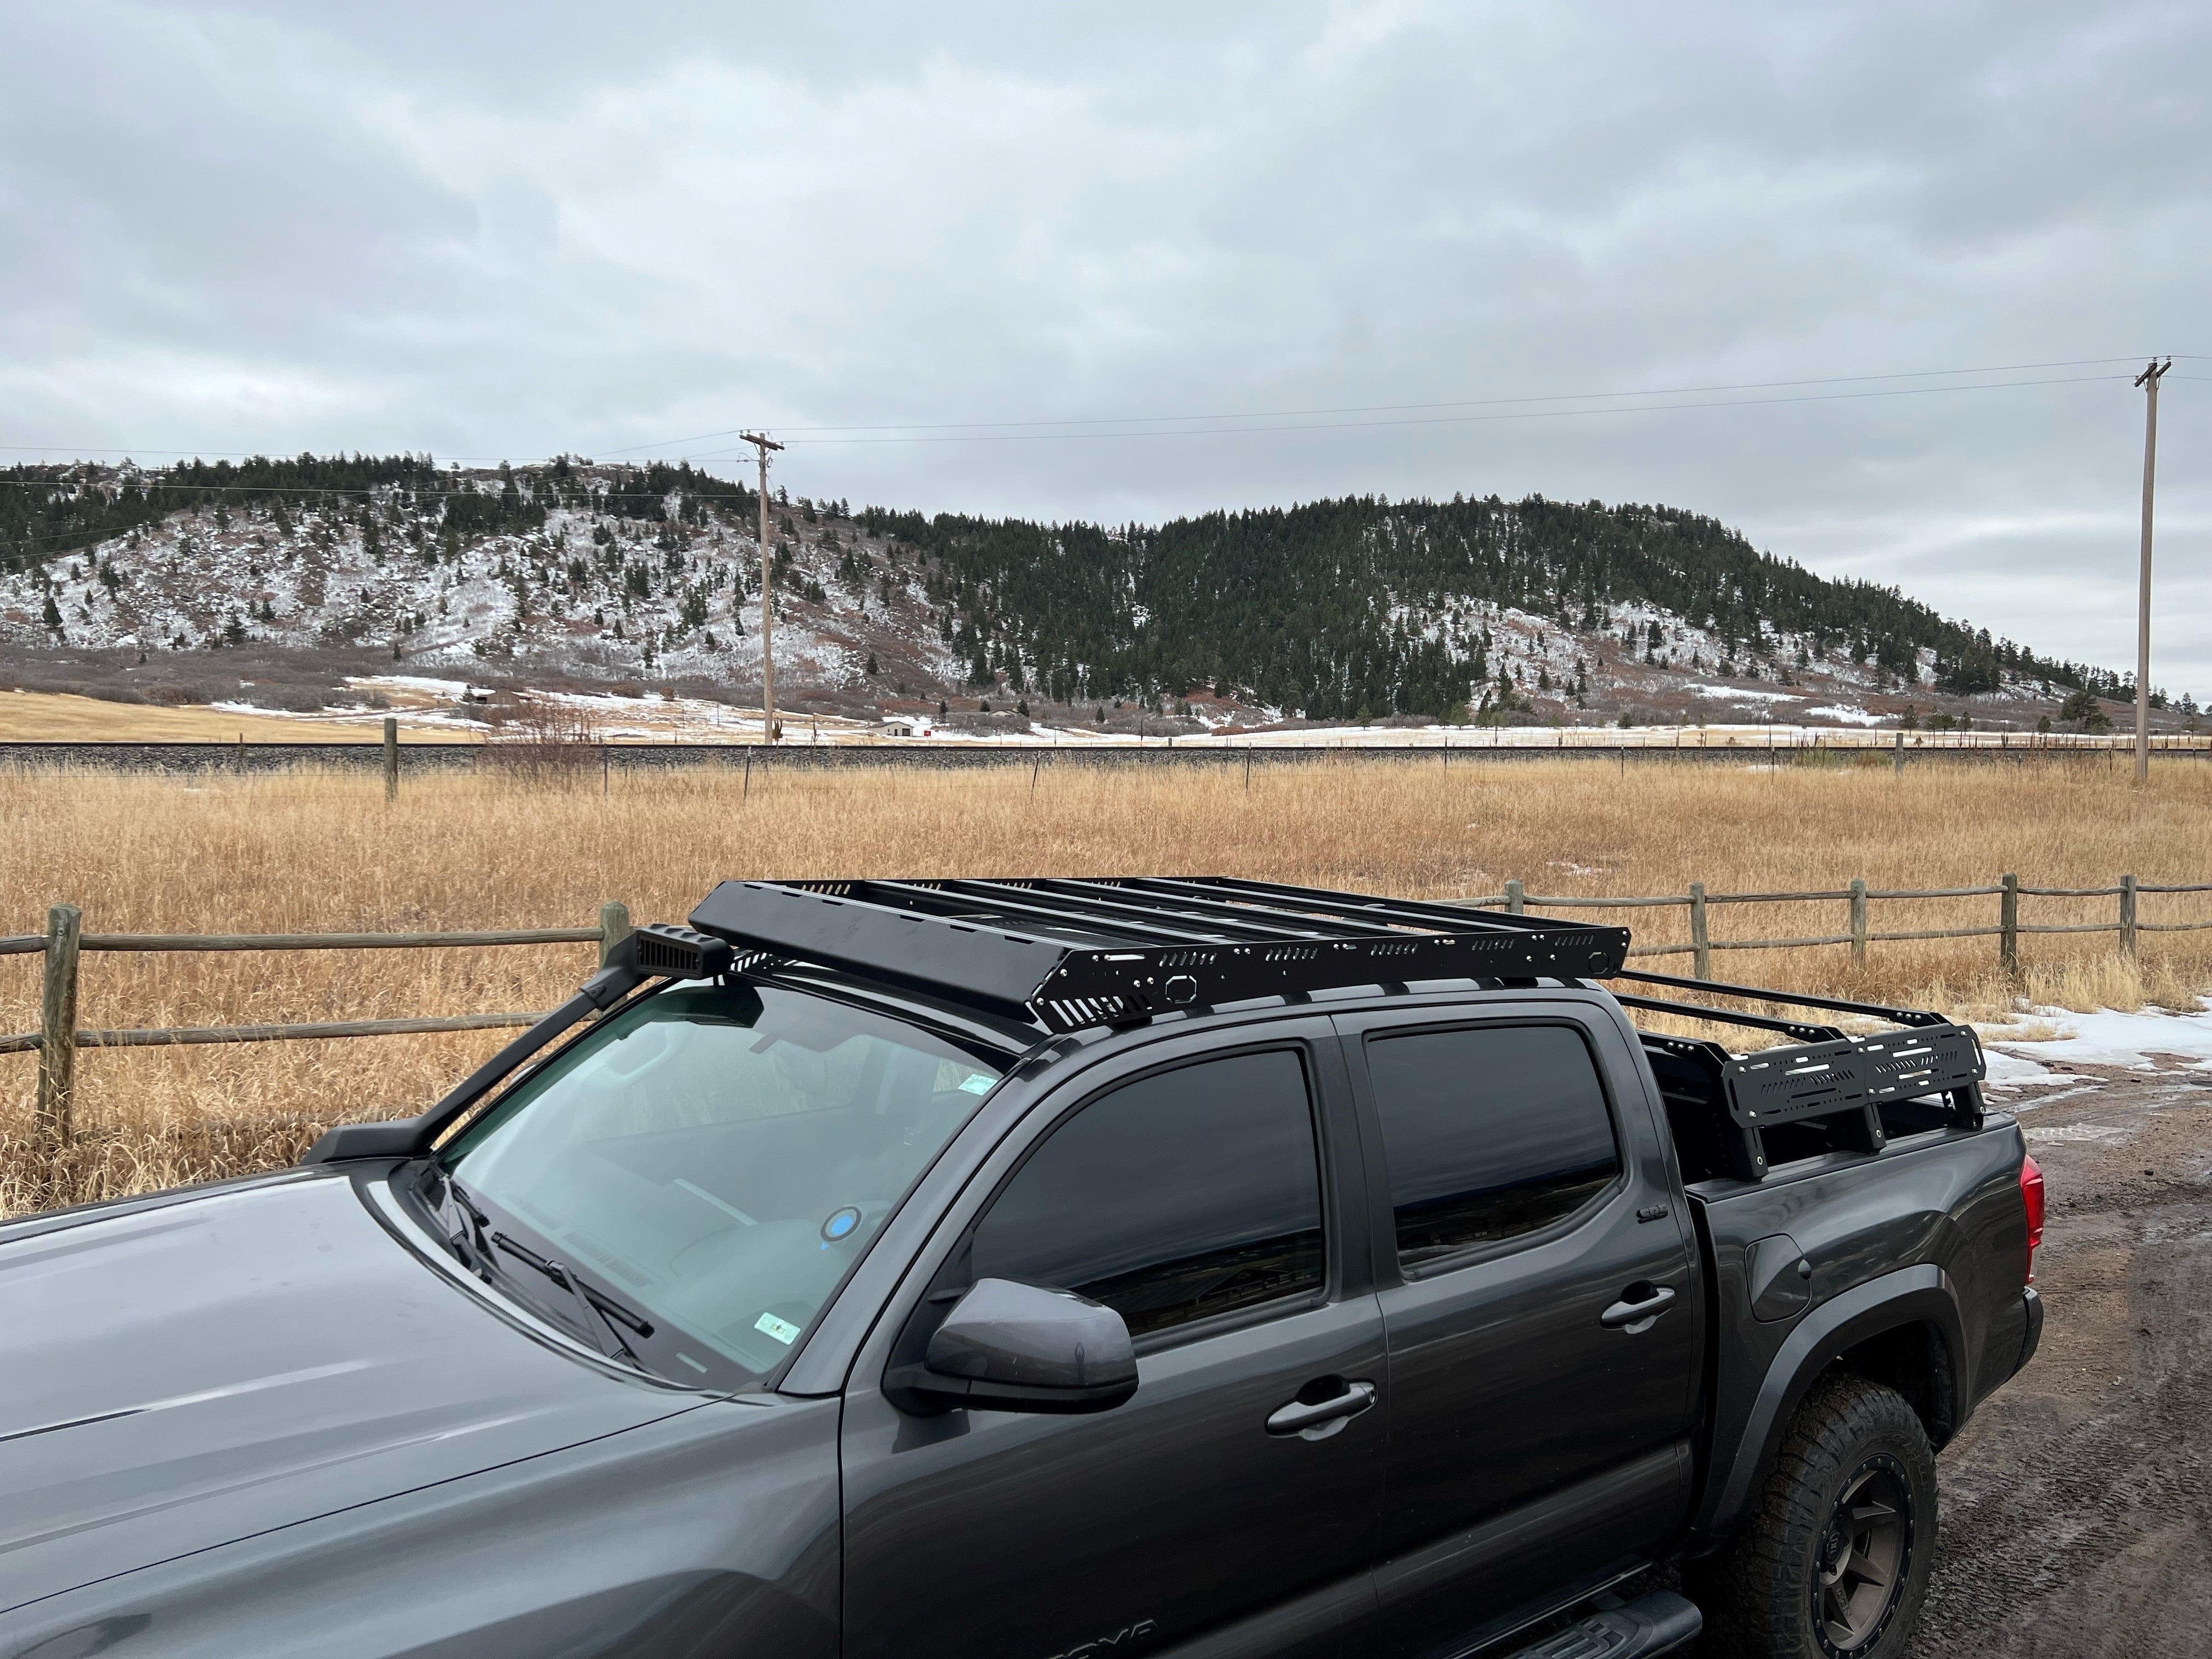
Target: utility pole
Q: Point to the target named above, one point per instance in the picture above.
(2148, 380)
(763, 444)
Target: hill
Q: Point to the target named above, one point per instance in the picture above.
(1358, 609)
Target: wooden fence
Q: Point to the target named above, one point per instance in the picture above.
(2008, 891)
(58, 1039)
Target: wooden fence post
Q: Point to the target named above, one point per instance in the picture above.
(1701, 946)
(1513, 897)
(58, 1029)
(391, 758)
(614, 928)
(1896, 754)
(2127, 917)
(1858, 922)
(2009, 923)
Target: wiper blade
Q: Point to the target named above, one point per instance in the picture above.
(602, 1312)
(472, 1240)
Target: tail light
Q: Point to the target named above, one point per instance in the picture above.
(2030, 1192)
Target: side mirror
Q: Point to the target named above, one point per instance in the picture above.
(1013, 1347)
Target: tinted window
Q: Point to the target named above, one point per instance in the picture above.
(1488, 1134)
(1192, 1192)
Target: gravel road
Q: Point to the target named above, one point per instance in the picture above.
(2077, 1505)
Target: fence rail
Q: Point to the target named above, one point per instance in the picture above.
(2008, 890)
(58, 1039)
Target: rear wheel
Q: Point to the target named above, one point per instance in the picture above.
(1834, 1562)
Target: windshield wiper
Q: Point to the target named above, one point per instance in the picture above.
(602, 1311)
(471, 1241)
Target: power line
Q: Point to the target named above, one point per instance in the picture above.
(1454, 420)
(895, 427)
(1384, 409)
(1401, 408)
(957, 433)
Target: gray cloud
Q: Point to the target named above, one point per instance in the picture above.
(493, 231)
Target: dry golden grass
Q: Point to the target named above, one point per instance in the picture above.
(59, 717)
(309, 851)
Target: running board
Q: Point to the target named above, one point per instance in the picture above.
(1650, 1624)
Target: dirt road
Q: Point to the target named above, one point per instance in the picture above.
(2077, 1505)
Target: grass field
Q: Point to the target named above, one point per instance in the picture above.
(310, 852)
(61, 717)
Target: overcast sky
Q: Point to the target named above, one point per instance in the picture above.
(506, 231)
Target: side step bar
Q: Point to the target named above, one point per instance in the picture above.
(1660, 1622)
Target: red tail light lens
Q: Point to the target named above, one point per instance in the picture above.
(2030, 1192)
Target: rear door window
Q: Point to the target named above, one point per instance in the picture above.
(1489, 1132)
(1179, 1196)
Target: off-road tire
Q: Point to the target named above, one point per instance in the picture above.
(1763, 1597)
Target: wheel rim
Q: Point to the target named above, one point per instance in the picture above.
(1864, 1554)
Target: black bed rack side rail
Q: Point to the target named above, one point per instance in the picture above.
(1064, 953)
(1825, 1073)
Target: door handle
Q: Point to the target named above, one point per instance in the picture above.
(1322, 1418)
(1638, 1315)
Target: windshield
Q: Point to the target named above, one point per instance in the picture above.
(719, 1156)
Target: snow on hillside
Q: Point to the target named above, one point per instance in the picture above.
(584, 596)
(579, 593)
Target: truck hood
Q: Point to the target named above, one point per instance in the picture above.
(176, 1376)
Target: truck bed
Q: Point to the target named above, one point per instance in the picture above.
(1834, 1174)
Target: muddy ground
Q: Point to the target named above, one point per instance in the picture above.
(2077, 1504)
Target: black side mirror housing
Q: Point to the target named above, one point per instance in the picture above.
(1007, 1347)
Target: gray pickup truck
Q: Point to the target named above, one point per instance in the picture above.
(1048, 1269)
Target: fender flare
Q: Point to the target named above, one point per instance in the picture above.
(1920, 1295)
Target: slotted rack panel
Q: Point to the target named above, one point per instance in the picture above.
(1068, 953)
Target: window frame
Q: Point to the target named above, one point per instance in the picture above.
(1380, 1201)
(954, 1275)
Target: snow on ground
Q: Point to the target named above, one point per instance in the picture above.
(1849, 716)
(2111, 1038)
(2008, 1071)
(1739, 694)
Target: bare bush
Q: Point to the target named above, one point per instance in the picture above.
(534, 740)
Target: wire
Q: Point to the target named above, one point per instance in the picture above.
(1452, 420)
(1384, 409)
(957, 433)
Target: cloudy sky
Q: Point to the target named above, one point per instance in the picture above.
(1117, 262)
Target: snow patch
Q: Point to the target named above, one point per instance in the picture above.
(1738, 693)
(2108, 1037)
(1849, 716)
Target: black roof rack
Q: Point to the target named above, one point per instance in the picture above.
(1066, 953)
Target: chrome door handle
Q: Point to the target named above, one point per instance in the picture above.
(1323, 1417)
(1635, 1315)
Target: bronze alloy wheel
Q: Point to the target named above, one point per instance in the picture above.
(1865, 1556)
(1833, 1562)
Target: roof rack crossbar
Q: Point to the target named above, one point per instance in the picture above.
(1380, 918)
(1423, 912)
(1118, 898)
(949, 901)
(1203, 898)
(1794, 999)
(1803, 1030)
(1017, 900)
